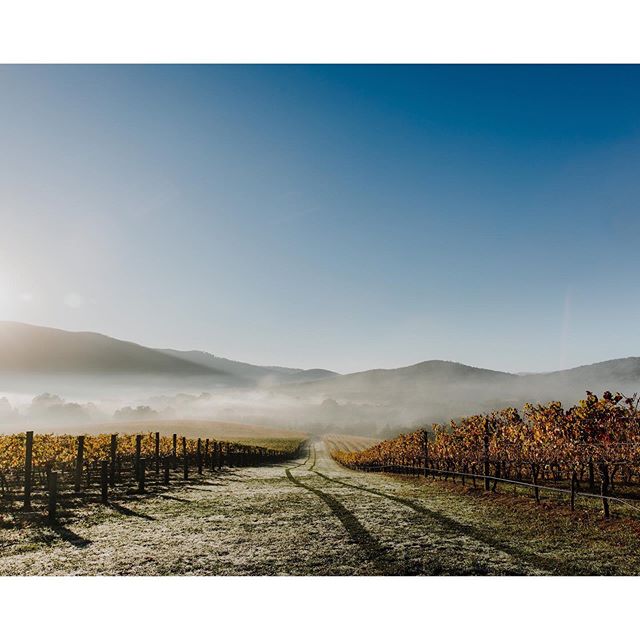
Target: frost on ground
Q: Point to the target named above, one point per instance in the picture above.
(312, 517)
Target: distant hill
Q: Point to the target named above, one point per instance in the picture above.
(35, 360)
(622, 371)
(436, 390)
(250, 373)
(405, 381)
(28, 349)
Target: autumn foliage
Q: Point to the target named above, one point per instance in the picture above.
(544, 441)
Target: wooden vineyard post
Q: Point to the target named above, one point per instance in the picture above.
(485, 456)
(79, 464)
(206, 452)
(185, 460)
(213, 456)
(574, 480)
(113, 452)
(137, 458)
(53, 495)
(534, 481)
(166, 470)
(141, 466)
(426, 453)
(28, 470)
(199, 456)
(104, 481)
(604, 487)
(157, 452)
(175, 451)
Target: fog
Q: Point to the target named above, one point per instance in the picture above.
(374, 403)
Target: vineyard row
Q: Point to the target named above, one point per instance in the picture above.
(594, 444)
(52, 463)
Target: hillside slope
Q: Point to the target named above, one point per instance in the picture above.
(256, 374)
(28, 349)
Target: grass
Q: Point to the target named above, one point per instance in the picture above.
(346, 442)
(277, 444)
(231, 431)
(312, 517)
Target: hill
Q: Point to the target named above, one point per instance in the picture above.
(28, 349)
(251, 373)
(84, 365)
(436, 390)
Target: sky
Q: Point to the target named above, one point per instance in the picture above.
(344, 217)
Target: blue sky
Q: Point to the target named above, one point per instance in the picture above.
(341, 217)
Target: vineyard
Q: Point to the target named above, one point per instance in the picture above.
(345, 442)
(590, 450)
(72, 469)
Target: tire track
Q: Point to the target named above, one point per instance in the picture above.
(454, 526)
(372, 549)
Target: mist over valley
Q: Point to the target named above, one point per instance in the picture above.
(50, 379)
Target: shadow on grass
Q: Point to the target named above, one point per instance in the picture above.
(166, 497)
(128, 512)
(69, 536)
(543, 564)
(373, 550)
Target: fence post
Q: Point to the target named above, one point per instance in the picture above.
(141, 466)
(604, 487)
(485, 455)
(199, 456)
(206, 452)
(213, 456)
(534, 478)
(175, 451)
(113, 454)
(53, 494)
(137, 458)
(574, 480)
(28, 470)
(185, 461)
(166, 470)
(79, 463)
(157, 452)
(104, 481)
(426, 453)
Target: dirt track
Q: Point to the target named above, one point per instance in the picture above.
(310, 517)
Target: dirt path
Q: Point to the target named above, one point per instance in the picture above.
(313, 517)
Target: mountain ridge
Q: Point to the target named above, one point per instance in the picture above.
(31, 349)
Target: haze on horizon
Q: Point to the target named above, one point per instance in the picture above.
(345, 218)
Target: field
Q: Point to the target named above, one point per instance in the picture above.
(348, 443)
(588, 451)
(311, 516)
(454, 501)
(230, 431)
(51, 475)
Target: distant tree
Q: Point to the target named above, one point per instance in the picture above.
(141, 412)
